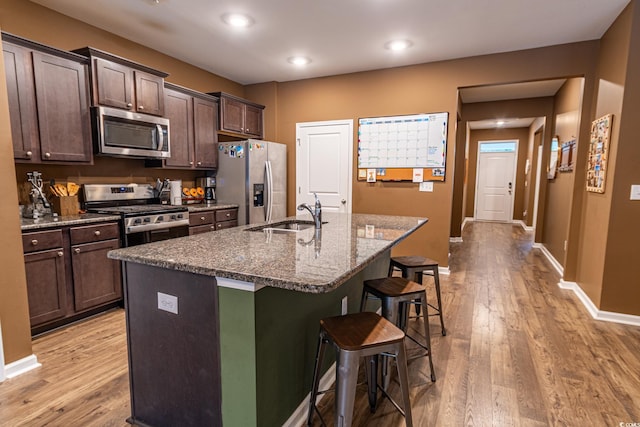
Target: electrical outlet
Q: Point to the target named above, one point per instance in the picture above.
(168, 303)
(344, 305)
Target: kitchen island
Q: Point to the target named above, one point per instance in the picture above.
(222, 327)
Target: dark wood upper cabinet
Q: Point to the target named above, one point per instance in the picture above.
(63, 108)
(22, 101)
(149, 93)
(178, 107)
(48, 103)
(205, 113)
(121, 83)
(239, 117)
(114, 84)
(193, 124)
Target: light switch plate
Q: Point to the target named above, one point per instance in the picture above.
(426, 186)
(635, 192)
(168, 303)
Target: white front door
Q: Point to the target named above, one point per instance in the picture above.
(495, 180)
(324, 157)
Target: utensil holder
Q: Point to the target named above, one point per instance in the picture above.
(65, 205)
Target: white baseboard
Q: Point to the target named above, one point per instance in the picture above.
(524, 225)
(605, 316)
(455, 239)
(444, 270)
(464, 222)
(554, 262)
(21, 366)
(299, 416)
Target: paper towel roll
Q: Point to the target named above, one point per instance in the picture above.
(176, 192)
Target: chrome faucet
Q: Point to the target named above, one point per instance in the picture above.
(316, 213)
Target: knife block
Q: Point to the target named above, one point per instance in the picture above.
(65, 205)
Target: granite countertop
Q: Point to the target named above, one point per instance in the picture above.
(300, 261)
(27, 224)
(202, 208)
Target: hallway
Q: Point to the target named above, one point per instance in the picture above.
(519, 351)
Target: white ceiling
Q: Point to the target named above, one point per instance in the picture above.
(340, 36)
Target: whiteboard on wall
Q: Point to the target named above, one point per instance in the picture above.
(410, 141)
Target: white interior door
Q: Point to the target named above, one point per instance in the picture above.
(495, 180)
(324, 157)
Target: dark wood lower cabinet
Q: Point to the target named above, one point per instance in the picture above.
(69, 275)
(47, 289)
(96, 279)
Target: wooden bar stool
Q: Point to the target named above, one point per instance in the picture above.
(396, 293)
(413, 268)
(353, 336)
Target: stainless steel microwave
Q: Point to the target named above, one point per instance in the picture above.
(128, 134)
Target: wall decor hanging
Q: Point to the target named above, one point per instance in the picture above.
(598, 152)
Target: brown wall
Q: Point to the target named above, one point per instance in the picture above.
(519, 134)
(14, 310)
(567, 108)
(408, 90)
(620, 290)
(596, 209)
(536, 135)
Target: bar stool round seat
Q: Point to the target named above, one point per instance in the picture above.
(413, 268)
(353, 336)
(396, 293)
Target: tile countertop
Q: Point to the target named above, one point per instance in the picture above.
(295, 260)
(27, 224)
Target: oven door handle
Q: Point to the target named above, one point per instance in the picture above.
(156, 227)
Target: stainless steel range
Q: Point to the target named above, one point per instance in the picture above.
(143, 218)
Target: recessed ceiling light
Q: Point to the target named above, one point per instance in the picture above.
(299, 60)
(237, 20)
(398, 44)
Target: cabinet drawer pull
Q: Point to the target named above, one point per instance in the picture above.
(213, 227)
(228, 215)
(29, 153)
(141, 107)
(129, 105)
(97, 232)
(47, 155)
(76, 250)
(34, 242)
(201, 218)
(60, 253)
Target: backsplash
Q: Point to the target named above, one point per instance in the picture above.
(105, 170)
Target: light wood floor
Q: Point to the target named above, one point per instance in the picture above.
(519, 352)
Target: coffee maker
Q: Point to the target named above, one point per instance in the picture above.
(208, 183)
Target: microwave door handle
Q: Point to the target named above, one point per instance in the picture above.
(160, 137)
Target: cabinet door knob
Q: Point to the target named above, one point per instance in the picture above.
(129, 105)
(199, 163)
(190, 163)
(60, 253)
(34, 242)
(76, 250)
(213, 227)
(29, 153)
(97, 232)
(47, 155)
(140, 107)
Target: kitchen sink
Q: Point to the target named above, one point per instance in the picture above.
(291, 226)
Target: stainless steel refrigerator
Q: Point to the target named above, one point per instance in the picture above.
(253, 175)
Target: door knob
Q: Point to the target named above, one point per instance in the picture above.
(343, 201)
